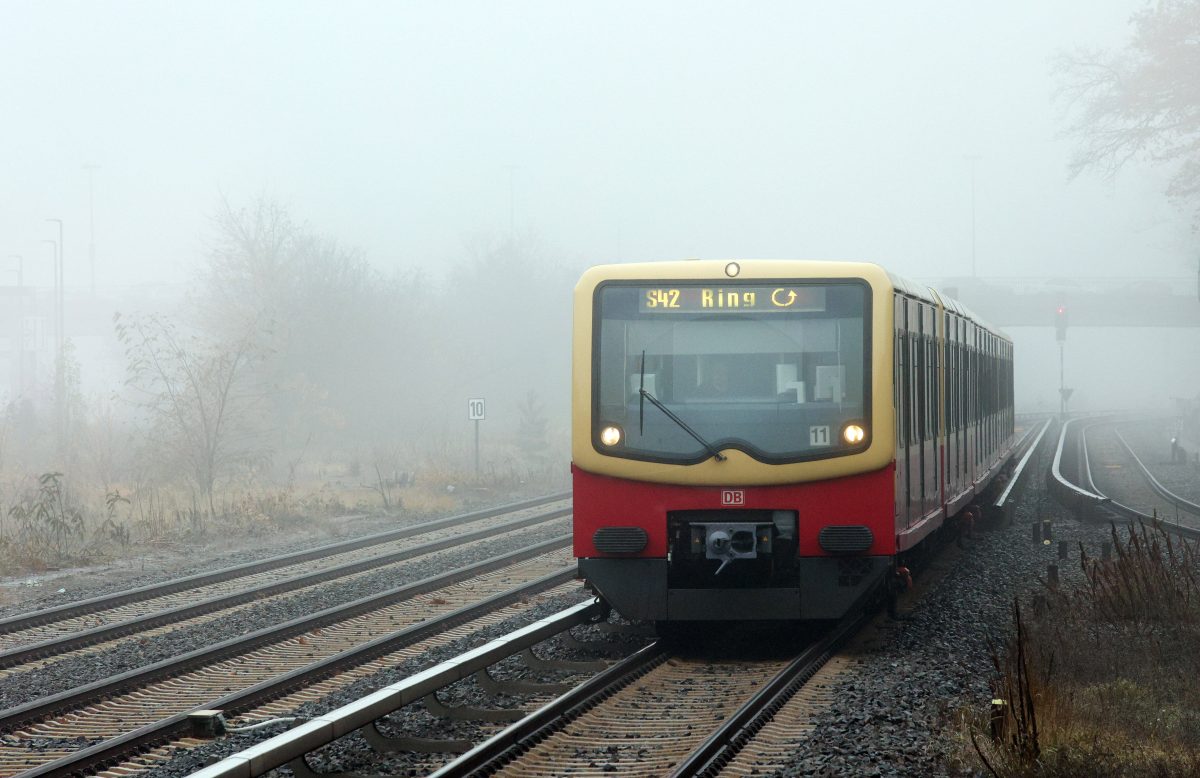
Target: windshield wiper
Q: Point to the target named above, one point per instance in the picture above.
(643, 395)
(642, 398)
(683, 424)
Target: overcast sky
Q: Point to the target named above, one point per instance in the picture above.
(628, 131)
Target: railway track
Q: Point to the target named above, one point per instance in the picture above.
(102, 722)
(1079, 464)
(660, 711)
(29, 641)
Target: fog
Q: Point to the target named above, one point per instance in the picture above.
(460, 163)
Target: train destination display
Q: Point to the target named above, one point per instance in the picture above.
(743, 299)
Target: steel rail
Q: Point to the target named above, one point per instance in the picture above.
(740, 728)
(1065, 490)
(73, 641)
(1085, 458)
(14, 717)
(308, 737)
(1009, 495)
(1111, 505)
(521, 735)
(1179, 502)
(115, 749)
(1090, 502)
(91, 605)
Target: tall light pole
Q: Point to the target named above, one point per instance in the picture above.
(973, 158)
(60, 278)
(54, 293)
(20, 322)
(91, 169)
(60, 400)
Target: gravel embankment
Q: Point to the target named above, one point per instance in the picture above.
(897, 711)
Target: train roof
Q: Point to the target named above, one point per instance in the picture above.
(932, 295)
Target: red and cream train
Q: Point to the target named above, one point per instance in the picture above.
(760, 439)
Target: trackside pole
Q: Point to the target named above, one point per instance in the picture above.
(476, 412)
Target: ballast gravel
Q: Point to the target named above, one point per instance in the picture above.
(897, 711)
(351, 752)
(79, 668)
(1153, 447)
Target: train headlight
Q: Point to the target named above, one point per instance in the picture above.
(853, 434)
(610, 435)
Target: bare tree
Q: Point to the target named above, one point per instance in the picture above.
(202, 413)
(335, 331)
(1142, 102)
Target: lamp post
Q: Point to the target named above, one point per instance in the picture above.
(20, 349)
(60, 400)
(59, 279)
(91, 169)
(54, 291)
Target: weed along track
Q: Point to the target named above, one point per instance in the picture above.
(79, 725)
(27, 641)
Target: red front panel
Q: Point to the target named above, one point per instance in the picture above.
(602, 501)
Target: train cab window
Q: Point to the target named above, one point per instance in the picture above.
(778, 370)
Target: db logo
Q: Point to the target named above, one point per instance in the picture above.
(733, 497)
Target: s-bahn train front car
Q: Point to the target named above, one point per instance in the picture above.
(735, 438)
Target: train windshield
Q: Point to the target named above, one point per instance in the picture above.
(777, 370)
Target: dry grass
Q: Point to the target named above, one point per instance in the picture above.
(1101, 680)
(57, 524)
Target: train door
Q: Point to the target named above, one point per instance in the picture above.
(972, 407)
(950, 382)
(991, 402)
(992, 384)
(939, 414)
(929, 448)
(961, 348)
(900, 360)
(917, 498)
(922, 395)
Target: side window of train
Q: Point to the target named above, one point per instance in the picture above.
(937, 387)
(949, 374)
(902, 388)
(910, 375)
(898, 384)
(964, 375)
(931, 383)
(913, 389)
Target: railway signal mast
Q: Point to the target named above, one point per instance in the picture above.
(1060, 332)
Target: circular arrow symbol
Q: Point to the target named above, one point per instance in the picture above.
(791, 298)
